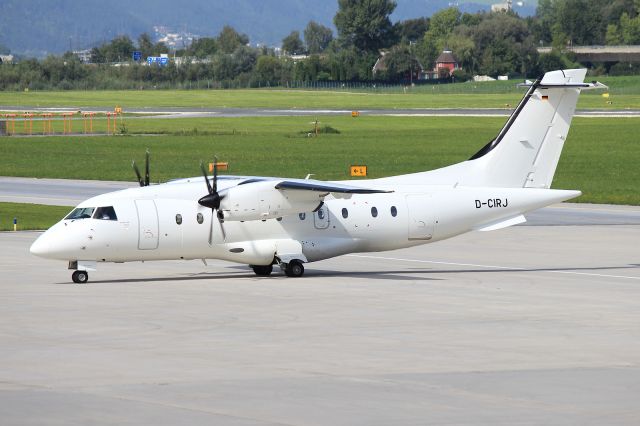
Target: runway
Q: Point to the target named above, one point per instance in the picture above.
(205, 112)
(526, 325)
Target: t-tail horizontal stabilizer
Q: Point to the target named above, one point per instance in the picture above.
(526, 151)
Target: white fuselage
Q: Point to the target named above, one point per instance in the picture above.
(147, 227)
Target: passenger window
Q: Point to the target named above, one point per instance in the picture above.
(374, 212)
(394, 211)
(200, 218)
(302, 216)
(179, 219)
(80, 213)
(345, 213)
(105, 213)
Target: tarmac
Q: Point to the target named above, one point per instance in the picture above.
(528, 325)
(207, 112)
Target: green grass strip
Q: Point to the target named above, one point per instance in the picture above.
(30, 216)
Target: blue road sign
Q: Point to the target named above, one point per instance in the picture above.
(137, 55)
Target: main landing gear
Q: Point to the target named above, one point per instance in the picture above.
(80, 277)
(293, 268)
(262, 270)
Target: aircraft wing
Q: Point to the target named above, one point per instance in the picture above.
(327, 187)
(260, 199)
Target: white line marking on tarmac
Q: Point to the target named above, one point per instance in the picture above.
(550, 271)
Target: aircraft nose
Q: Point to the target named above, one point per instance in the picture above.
(40, 246)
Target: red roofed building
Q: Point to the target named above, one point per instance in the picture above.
(446, 61)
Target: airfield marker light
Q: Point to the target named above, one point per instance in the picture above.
(355, 114)
(15, 224)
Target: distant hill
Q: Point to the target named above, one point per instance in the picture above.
(38, 27)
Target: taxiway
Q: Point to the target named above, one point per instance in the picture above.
(526, 325)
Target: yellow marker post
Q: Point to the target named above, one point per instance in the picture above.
(15, 224)
(359, 170)
(355, 114)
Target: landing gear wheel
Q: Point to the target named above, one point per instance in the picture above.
(294, 269)
(262, 270)
(80, 277)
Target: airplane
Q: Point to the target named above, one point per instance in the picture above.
(269, 221)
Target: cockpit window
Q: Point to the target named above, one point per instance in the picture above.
(80, 213)
(105, 213)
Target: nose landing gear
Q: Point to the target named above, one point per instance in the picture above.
(80, 277)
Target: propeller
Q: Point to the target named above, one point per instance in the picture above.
(213, 198)
(142, 182)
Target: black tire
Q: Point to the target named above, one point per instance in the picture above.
(80, 277)
(294, 269)
(262, 270)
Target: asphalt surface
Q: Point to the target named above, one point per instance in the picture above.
(523, 326)
(193, 112)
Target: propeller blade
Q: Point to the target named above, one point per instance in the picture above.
(215, 173)
(146, 168)
(206, 178)
(211, 229)
(221, 221)
(135, 169)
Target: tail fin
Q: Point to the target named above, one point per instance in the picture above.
(525, 153)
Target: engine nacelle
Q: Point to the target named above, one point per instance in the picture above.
(261, 201)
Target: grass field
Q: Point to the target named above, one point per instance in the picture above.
(625, 94)
(30, 216)
(598, 158)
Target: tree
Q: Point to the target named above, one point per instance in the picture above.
(441, 25)
(465, 50)
(268, 69)
(317, 37)
(229, 39)
(203, 47)
(580, 20)
(365, 24)
(412, 29)
(145, 45)
(399, 62)
(613, 36)
(120, 49)
(292, 44)
(630, 29)
(504, 45)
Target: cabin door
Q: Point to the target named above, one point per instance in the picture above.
(147, 224)
(421, 217)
